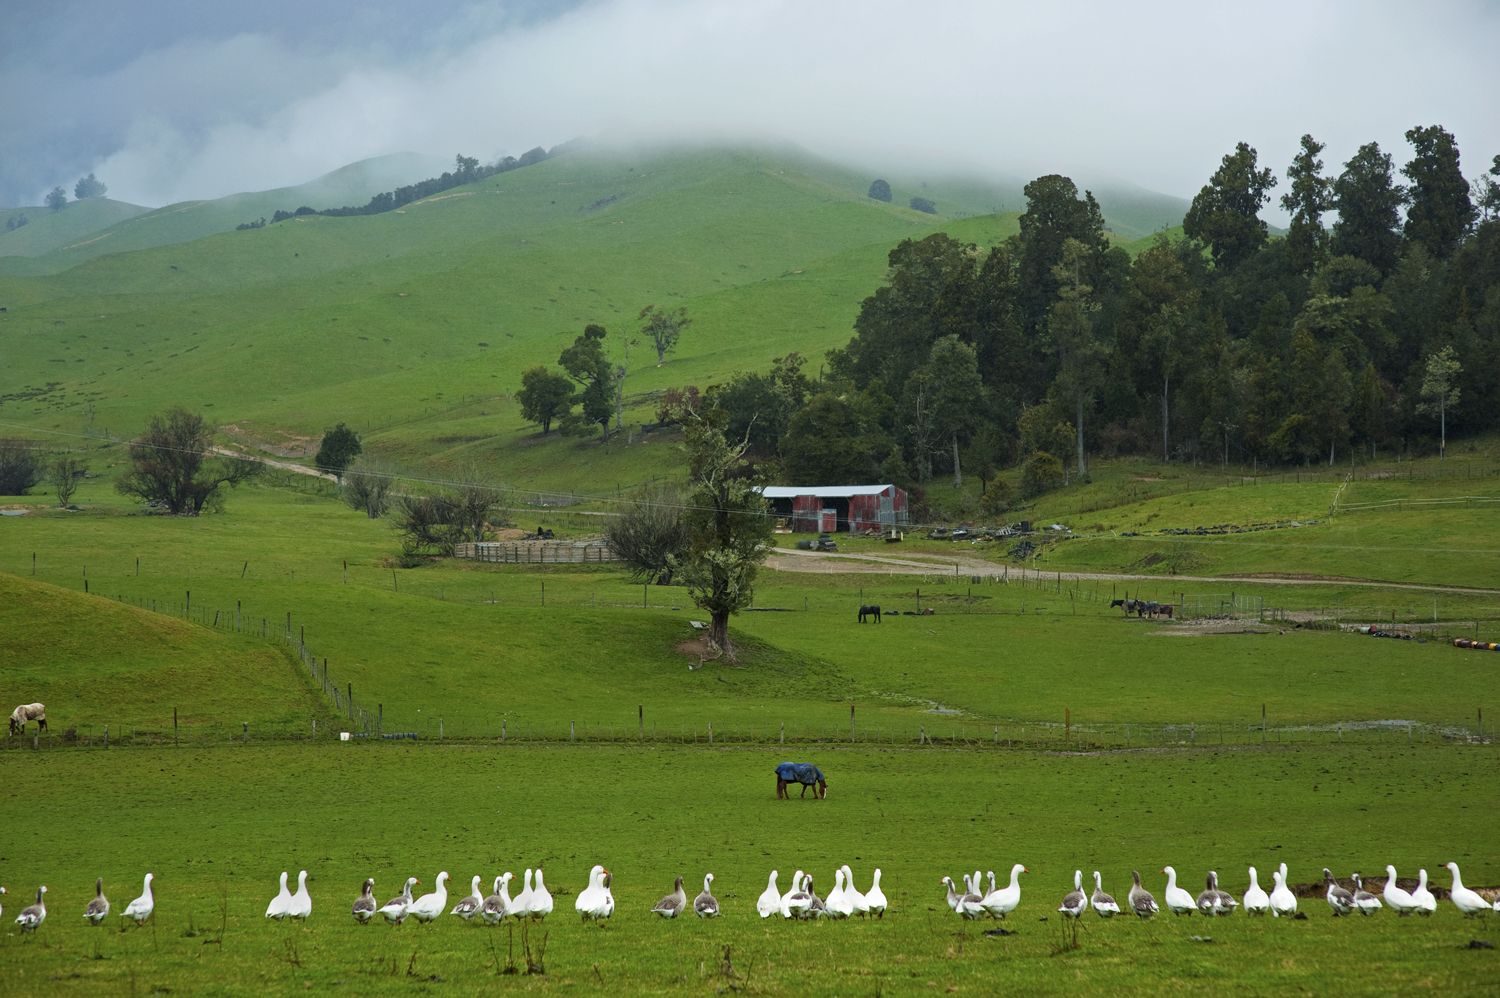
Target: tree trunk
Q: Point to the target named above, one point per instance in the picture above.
(1165, 454)
(661, 355)
(958, 475)
(718, 630)
(1080, 437)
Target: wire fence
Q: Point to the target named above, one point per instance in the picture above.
(503, 731)
(349, 720)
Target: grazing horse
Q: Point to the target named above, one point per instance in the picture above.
(804, 773)
(869, 611)
(28, 712)
(1165, 608)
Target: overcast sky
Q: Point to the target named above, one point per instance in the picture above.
(173, 99)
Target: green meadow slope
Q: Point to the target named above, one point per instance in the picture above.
(46, 229)
(385, 322)
(93, 661)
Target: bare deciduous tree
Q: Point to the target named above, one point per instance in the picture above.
(63, 475)
(648, 531)
(367, 487)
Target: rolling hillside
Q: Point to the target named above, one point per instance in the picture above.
(45, 229)
(386, 322)
(188, 220)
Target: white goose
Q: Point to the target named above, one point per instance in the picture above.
(1465, 900)
(1075, 903)
(1283, 901)
(540, 904)
(1104, 905)
(1257, 902)
(521, 901)
(785, 905)
(1426, 902)
(875, 897)
(300, 905)
(857, 903)
(497, 905)
(33, 915)
(1364, 902)
(836, 905)
(769, 902)
(364, 905)
(98, 907)
(141, 908)
(1004, 901)
(1401, 902)
(430, 906)
(277, 908)
(594, 901)
(395, 910)
(705, 905)
(468, 905)
(1179, 901)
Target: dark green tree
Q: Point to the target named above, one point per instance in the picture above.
(1311, 195)
(1071, 331)
(366, 486)
(1487, 201)
(544, 396)
(728, 521)
(838, 438)
(586, 364)
(1369, 202)
(20, 467)
(88, 187)
(1439, 211)
(173, 464)
(1369, 414)
(923, 205)
(957, 397)
(1225, 213)
(1054, 213)
(880, 191)
(57, 198)
(339, 447)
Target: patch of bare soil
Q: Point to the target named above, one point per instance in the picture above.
(1198, 628)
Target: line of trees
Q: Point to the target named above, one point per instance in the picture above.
(1229, 345)
(466, 170)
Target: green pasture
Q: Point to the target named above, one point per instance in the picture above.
(217, 826)
(472, 646)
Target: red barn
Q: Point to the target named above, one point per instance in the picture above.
(831, 508)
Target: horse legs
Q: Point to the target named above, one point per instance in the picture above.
(780, 788)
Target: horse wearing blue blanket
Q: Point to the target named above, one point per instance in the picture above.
(804, 773)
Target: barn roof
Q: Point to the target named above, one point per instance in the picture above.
(821, 491)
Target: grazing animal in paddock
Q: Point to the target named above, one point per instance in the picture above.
(25, 713)
(869, 611)
(98, 906)
(804, 773)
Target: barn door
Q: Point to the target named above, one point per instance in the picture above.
(830, 521)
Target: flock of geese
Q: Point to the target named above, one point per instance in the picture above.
(596, 903)
(1281, 902)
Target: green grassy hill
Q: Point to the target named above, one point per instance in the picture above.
(46, 230)
(94, 661)
(385, 322)
(189, 220)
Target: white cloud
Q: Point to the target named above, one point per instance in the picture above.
(1154, 95)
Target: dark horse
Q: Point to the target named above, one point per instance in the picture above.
(869, 611)
(804, 773)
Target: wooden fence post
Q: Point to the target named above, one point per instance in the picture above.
(380, 720)
(174, 727)
(1067, 725)
(851, 722)
(640, 716)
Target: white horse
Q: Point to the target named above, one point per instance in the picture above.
(28, 712)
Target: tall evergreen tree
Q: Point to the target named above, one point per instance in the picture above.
(1440, 211)
(1225, 213)
(1369, 202)
(1310, 196)
(1054, 214)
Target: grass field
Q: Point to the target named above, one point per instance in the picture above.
(217, 826)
